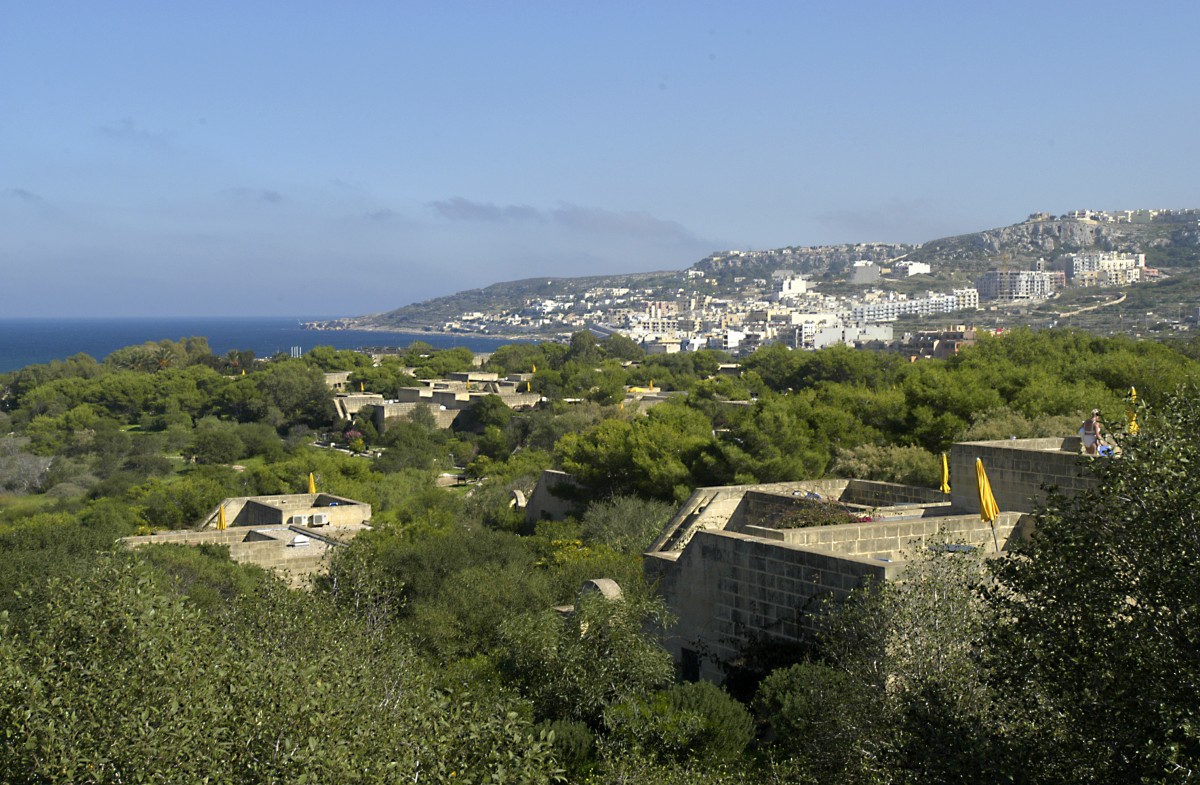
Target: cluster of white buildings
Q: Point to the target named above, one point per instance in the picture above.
(1104, 269)
(793, 314)
(1099, 268)
(786, 309)
(1127, 216)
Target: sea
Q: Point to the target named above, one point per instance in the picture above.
(34, 341)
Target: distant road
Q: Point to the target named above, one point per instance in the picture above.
(1117, 301)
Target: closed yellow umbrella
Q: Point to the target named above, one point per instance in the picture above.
(945, 475)
(1133, 426)
(989, 511)
(221, 518)
(312, 483)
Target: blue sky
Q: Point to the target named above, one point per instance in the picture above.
(308, 158)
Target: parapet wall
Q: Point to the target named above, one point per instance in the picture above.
(272, 549)
(243, 511)
(350, 404)
(1017, 469)
(890, 539)
(770, 508)
(871, 493)
(733, 507)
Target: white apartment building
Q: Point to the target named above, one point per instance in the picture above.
(1012, 285)
(1104, 269)
(727, 340)
(912, 268)
(890, 310)
(965, 298)
(792, 287)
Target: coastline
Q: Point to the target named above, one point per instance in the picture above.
(26, 342)
(339, 325)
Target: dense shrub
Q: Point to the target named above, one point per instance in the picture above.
(687, 721)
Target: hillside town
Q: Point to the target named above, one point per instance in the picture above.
(729, 301)
(789, 308)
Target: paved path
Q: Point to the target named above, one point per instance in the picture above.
(1117, 301)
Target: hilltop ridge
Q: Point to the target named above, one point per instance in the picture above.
(1170, 239)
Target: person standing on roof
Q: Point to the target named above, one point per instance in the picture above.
(1089, 433)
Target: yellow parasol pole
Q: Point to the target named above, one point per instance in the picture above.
(221, 518)
(989, 511)
(945, 475)
(312, 483)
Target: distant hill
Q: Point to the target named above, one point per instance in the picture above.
(1171, 244)
(503, 295)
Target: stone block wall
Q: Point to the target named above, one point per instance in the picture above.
(720, 507)
(765, 506)
(544, 504)
(769, 507)
(256, 513)
(350, 404)
(270, 549)
(380, 415)
(726, 587)
(520, 400)
(279, 510)
(1016, 471)
(414, 395)
(890, 539)
(732, 507)
(871, 493)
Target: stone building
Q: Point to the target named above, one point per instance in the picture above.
(447, 398)
(736, 570)
(290, 534)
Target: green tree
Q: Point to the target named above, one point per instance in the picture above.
(120, 679)
(652, 456)
(626, 523)
(686, 721)
(215, 442)
(622, 347)
(329, 359)
(1096, 638)
(898, 676)
(296, 392)
(489, 410)
(517, 358)
(584, 349)
(603, 654)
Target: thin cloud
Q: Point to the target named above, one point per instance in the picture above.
(383, 216)
(460, 209)
(628, 224)
(29, 197)
(257, 194)
(913, 221)
(128, 130)
(594, 220)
